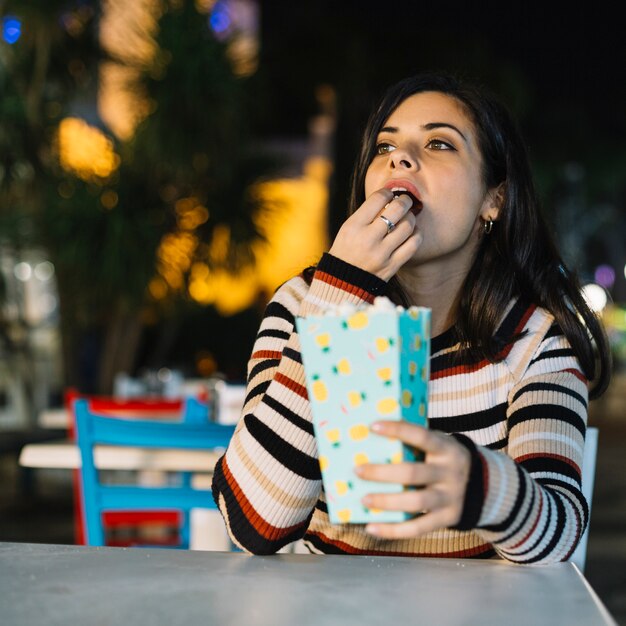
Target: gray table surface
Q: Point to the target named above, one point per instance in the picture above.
(68, 585)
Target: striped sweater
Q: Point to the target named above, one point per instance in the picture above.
(523, 420)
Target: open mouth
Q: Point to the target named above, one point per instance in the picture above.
(417, 204)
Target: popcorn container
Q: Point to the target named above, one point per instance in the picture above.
(363, 365)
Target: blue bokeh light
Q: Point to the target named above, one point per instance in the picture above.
(220, 18)
(11, 29)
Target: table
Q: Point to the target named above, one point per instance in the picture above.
(66, 455)
(78, 585)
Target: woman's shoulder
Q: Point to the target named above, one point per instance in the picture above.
(291, 293)
(521, 318)
(527, 330)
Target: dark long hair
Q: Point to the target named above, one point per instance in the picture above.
(519, 257)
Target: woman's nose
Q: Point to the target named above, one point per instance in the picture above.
(403, 160)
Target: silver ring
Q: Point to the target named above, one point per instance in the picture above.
(390, 224)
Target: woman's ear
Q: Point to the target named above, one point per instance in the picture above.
(493, 203)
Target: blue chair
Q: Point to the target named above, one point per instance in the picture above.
(579, 556)
(194, 433)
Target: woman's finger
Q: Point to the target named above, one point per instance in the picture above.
(406, 249)
(372, 207)
(415, 527)
(412, 435)
(409, 501)
(413, 474)
(394, 211)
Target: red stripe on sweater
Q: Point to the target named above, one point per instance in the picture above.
(547, 455)
(344, 286)
(457, 554)
(578, 374)
(474, 367)
(266, 354)
(291, 385)
(263, 528)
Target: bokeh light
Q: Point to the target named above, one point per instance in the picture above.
(605, 276)
(23, 271)
(11, 29)
(220, 20)
(596, 297)
(85, 150)
(44, 271)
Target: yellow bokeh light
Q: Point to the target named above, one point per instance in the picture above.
(109, 199)
(220, 244)
(190, 214)
(158, 288)
(229, 292)
(293, 222)
(85, 150)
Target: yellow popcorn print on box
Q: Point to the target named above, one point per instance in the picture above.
(362, 366)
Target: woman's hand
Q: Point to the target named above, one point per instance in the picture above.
(363, 239)
(442, 479)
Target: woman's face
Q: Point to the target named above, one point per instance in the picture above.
(429, 146)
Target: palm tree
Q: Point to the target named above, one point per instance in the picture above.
(103, 231)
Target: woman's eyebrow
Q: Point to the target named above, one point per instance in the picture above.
(434, 125)
(429, 126)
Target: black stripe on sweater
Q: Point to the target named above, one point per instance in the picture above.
(292, 354)
(282, 451)
(257, 390)
(273, 332)
(549, 387)
(543, 412)
(322, 506)
(548, 465)
(276, 309)
(506, 330)
(555, 482)
(326, 548)
(498, 445)
(351, 274)
(261, 366)
(577, 503)
(469, 421)
(288, 414)
(553, 354)
(553, 331)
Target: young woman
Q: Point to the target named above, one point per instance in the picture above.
(443, 214)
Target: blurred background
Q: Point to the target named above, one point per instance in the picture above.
(165, 165)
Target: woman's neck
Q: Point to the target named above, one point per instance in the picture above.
(437, 290)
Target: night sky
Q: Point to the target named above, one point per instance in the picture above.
(539, 55)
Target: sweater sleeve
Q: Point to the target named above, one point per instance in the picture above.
(531, 508)
(267, 483)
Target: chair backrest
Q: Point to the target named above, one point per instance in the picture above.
(588, 478)
(93, 429)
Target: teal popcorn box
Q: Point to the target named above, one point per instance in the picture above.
(363, 365)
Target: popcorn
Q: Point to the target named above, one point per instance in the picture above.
(362, 365)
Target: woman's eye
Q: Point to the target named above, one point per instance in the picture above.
(384, 148)
(438, 144)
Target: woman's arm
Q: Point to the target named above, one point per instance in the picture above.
(533, 509)
(268, 482)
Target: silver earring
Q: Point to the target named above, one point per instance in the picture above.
(488, 226)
